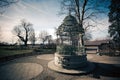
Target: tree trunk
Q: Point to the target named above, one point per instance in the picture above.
(43, 42)
(25, 43)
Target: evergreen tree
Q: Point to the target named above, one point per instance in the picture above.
(114, 19)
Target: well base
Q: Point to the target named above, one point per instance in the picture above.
(82, 70)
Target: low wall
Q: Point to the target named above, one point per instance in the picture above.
(70, 61)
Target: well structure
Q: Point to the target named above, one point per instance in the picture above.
(70, 56)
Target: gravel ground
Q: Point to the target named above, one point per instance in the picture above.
(107, 68)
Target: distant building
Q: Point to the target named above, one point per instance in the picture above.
(96, 43)
(93, 46)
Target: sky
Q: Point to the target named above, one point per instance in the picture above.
(43, 14)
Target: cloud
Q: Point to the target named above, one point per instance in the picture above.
(42, 14)
(35, 8)
(100, 31)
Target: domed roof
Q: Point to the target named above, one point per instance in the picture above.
(70, 18)
(70, 21)
(69, 25)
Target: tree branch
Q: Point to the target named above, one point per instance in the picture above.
(88, 26)
(21, 38)
(83, 10)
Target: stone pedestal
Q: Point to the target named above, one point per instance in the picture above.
(71, 64)
(70, 55)
(70, 61)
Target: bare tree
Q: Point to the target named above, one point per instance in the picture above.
(49, 39)
(23, 31)
(87, 36)
(43, 36)
(85, 11)
(32, 37)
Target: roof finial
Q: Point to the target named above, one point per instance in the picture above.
(70, 10)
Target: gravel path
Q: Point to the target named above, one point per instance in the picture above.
(35, 68)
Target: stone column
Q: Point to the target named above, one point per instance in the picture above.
(81, 47)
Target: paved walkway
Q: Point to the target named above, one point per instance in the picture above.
(35, 68)
(103, 59)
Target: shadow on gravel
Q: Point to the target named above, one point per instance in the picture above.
(106, 70)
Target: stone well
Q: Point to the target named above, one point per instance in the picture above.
(70, 56)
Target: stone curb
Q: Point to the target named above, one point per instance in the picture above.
(11, 57)
(83, 70)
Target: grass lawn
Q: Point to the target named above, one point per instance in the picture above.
(7, 52)
(13, 50)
